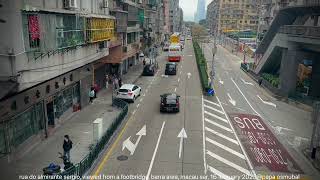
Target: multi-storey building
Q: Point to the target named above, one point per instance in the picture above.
(48, 58)
(201, 11)
(166, 13)
(233, 15)
(173, 16)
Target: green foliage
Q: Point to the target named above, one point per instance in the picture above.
(272, 79)
(202, 66)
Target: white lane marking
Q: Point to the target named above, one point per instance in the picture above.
(178, 79)
(220, 81)
(138, 105)
(144, 94)
(211, 102)
(219, 173)
(203, 137)
(266, 102)
(229, 163)
(241, 146)
(232, 101)
(141, 99)
(225, 148)
(245, 97)
(155, 151)
(218, 125)
(215, 116)
(147, 90)
(221, 135)
(245, 82)
(209, 107)
(134, 111)
(180, 72)
(181, 135)
(175, 89)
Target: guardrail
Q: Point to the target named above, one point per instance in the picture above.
(202, 66)
(305, 31)
(80, 168)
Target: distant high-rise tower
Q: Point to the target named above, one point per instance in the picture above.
(201, 10)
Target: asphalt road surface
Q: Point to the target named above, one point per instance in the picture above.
(204, 140)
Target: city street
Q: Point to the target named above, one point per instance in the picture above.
(202, 141)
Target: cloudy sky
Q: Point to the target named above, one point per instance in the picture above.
(189, 8)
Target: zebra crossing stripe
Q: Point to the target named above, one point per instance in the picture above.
(218, 125)
(229, 163)
(219, 173)
(218, 117)
(222, 136)
(216, 110)
(211, 102)
(225, 148)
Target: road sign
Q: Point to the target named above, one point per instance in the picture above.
(262, 147)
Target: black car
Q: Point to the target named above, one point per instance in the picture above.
(169, 103)
(171, 69)
(149, 70)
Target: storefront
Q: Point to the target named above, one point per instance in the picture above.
(63, 103)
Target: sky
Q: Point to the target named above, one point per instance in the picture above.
(189, 8)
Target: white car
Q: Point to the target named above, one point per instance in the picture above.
(129, 92)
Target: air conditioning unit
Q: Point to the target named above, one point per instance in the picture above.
(70, 4)
(105, 4)
(140, 1)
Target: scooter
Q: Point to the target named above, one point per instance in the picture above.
(55, 169)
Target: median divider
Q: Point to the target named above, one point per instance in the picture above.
(202, 67)
(85, 164)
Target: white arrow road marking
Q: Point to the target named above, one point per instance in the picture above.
(175, 89)
(189, 75)
(220, 81)
(129, 145)
(266, 102)
(245, 82)
(278, 129)
(232, 101)
(181, 135)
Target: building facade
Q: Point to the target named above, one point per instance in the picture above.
(225, 16)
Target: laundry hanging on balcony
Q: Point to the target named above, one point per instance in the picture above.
(34, 27)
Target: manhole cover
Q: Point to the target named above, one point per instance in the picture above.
(122, 158)
(110, 110)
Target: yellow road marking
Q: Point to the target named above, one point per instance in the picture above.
(106, 157)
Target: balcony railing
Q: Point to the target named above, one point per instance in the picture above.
(305, 31)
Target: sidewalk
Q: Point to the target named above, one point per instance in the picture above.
(80, 129)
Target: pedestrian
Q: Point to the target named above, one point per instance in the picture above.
(67, 146)
(120, 82)
(116, 82)
(260, 81)
(144, 61)
(91, 94)
(107, 81)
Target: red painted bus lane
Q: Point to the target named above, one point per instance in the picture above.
(263, 148)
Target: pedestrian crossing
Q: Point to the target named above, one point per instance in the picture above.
(223, 155)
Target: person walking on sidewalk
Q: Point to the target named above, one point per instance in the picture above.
(116, 82)
(91, 94)
(107, 81)
(67, 146)
(120, 82)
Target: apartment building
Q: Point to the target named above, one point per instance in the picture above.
(48, 55)
(232, 15)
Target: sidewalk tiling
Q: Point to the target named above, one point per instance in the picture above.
(80, 129)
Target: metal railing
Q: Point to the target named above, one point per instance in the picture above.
(298, 30)
(80, 168)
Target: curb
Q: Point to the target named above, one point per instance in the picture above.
(281, 98)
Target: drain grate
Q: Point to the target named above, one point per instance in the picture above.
(122, 158)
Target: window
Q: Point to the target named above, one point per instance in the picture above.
(26, 100)
(31, 31)
(38, 94)
(56, 85)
